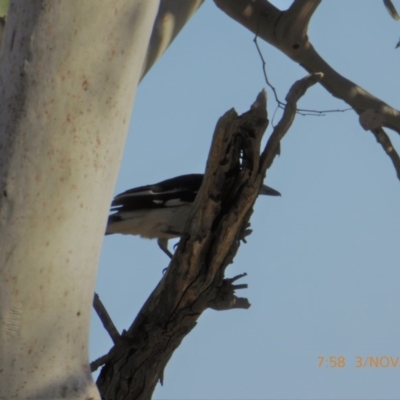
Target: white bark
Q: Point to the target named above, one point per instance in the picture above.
(171, 18)
(68, 73)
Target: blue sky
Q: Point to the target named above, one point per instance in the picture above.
(323, 261)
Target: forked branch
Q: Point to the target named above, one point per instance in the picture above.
(287, 31)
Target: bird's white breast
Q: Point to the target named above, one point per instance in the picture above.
(166, 222)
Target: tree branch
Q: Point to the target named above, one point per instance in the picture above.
(195, 280)
(296, 91)
(105, 319)
(96, 364)
(287, 31)
(171, 18)
(383, 139)
(293, 24)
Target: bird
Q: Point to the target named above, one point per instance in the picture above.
(159, 211)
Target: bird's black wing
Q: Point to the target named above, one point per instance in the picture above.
(171, 192)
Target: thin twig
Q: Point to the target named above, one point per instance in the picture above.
(96, 364)
(297, 90)
(281, 104)
(264, 68)
(105, 319)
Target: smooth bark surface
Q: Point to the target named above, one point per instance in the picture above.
(68, 73)
(171, 18)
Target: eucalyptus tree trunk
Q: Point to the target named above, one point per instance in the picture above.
(68, 74)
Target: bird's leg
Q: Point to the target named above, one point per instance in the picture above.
(163, 244)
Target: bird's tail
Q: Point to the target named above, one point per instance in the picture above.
(269, 191)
